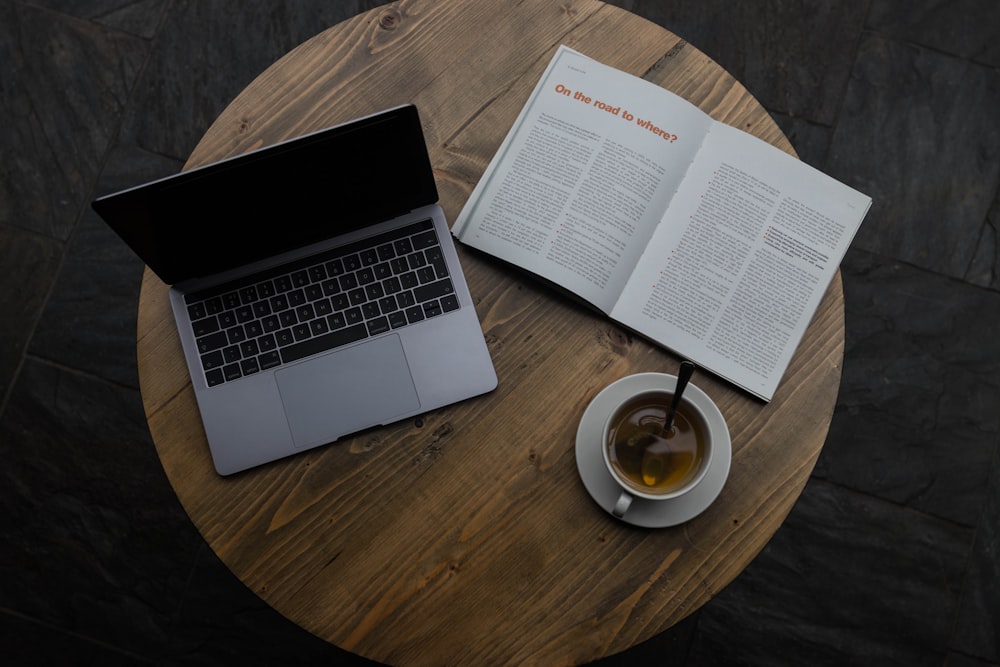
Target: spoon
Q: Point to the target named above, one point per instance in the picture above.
(683, 375)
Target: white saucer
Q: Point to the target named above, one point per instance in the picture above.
(605, 490)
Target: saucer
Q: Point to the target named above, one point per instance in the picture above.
(605, 490)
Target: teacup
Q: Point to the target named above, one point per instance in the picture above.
(647, 462)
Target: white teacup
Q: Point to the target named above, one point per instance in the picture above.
(648, 463)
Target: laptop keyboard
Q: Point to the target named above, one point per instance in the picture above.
(336, 298)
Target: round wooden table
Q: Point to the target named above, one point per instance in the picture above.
(466, 537)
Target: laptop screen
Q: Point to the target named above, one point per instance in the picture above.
(277, 198)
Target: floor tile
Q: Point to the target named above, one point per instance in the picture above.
(95, 542)
(221, 622)
(916, 418)
(847, 580)
(30, 263)
(138, 17)
(89, 322)
(967, 28)
(207, 53)
(960, 660)
(810, 141)
(30, 644)
(670, 647)
(977, 631)
(985, 267)
(65, 83)
(918, 133)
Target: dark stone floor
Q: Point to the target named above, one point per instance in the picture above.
(891, 555)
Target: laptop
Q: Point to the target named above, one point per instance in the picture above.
(315, 286)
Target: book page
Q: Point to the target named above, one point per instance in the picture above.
(746, 251)
(583, 177)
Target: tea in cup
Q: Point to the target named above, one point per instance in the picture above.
(648, 462)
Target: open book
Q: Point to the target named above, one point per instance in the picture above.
(693, 234)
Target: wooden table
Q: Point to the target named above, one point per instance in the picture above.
(466, 537)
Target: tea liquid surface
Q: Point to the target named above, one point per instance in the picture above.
(654, 462)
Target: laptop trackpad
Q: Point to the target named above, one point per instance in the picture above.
(349, 390)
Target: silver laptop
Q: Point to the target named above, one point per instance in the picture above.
(315, 286)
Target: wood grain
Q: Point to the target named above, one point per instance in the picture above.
(466, 536)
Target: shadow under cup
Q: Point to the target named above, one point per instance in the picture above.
(648, 463)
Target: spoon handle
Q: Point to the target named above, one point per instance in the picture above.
(683, 375)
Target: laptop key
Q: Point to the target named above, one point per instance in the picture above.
(352, 263)
(232, 372)
(357, 296)
(248, 294)
(317, 273)
(378, 325)
(340, 301)
(386, 252)
(211, 360)
(334, 267)
(432, 309)
(300, 278)
(331, 287)
(397, 319)
(214, 306)
(266, 343)
(271, 323)
(323, 343)
(387, 305)
(305, 313)
(436, 260)
(269, 360)
(230, 300)
(282, 284)
(266, 289)
(403, 246)
(231, 353)
(205, 326)
(279, 303)
(213, 378)
(416, 260)
(414, 314)
(409, 280)
(433, 290)
(353, 315)
(262, 308)
(405, 299)
(424, 240)
(196, 311)
(425, 274)
(449, 303)
(212, 342)
(314, 291)
(227, 319)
